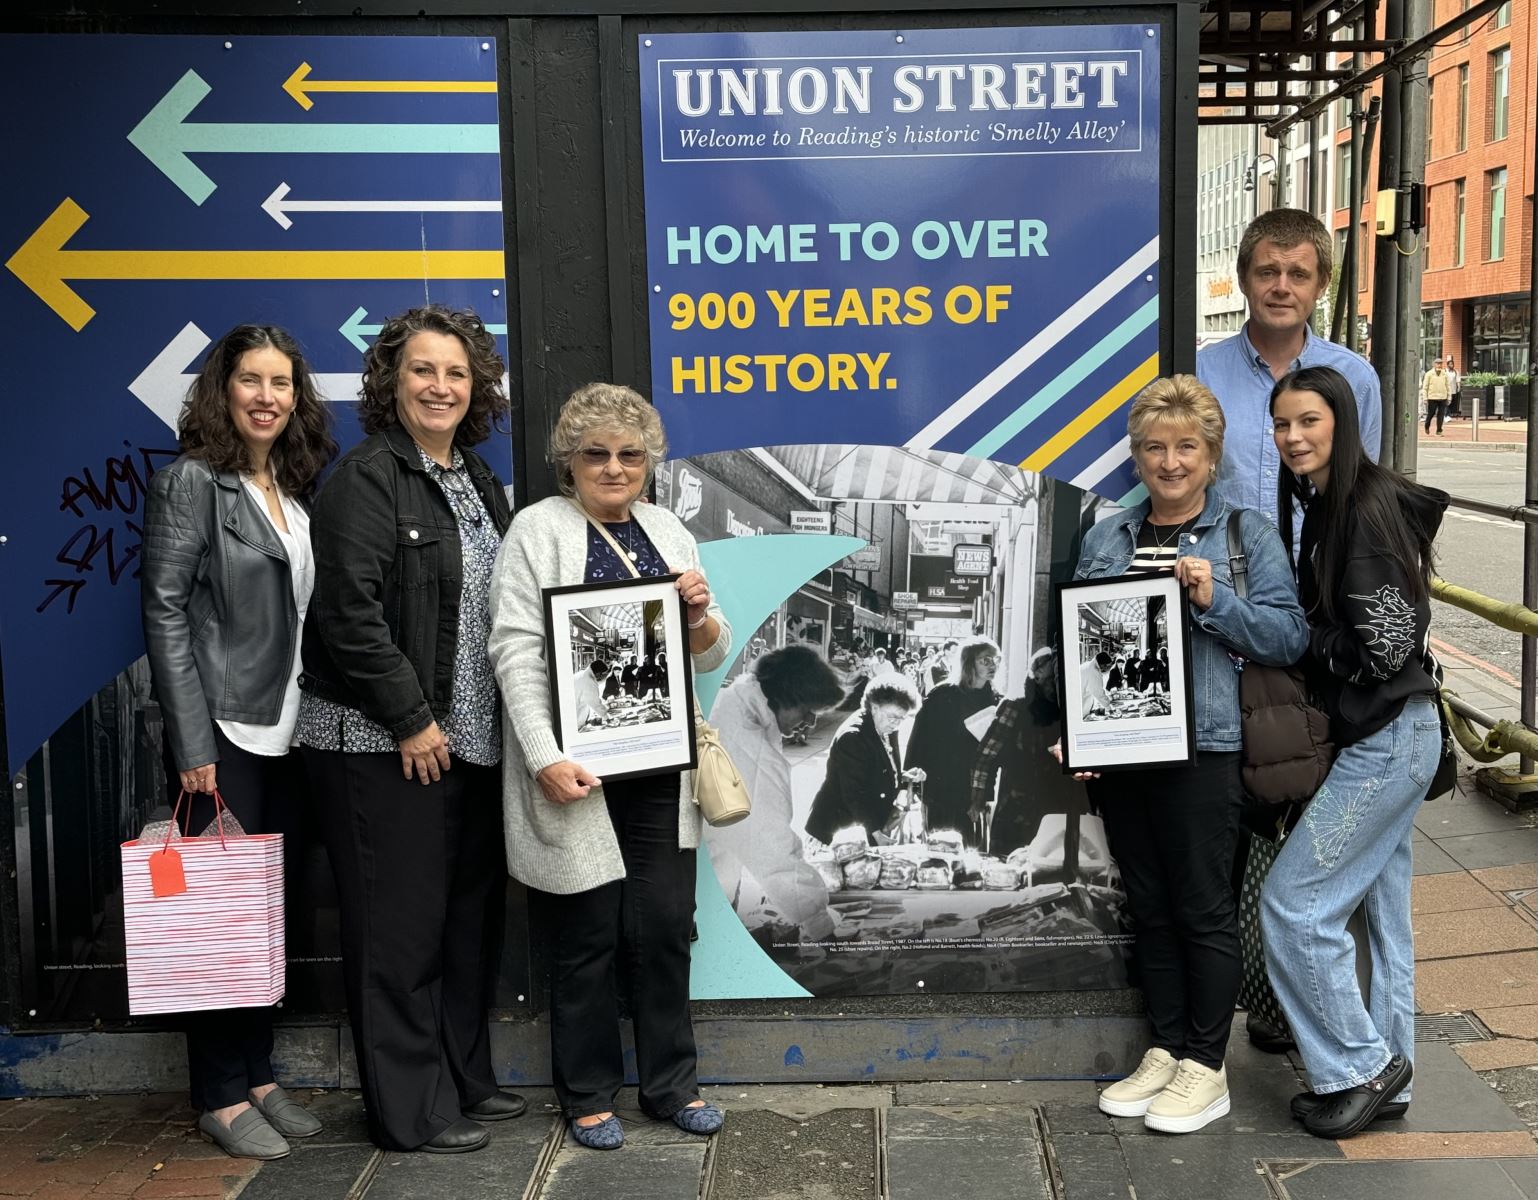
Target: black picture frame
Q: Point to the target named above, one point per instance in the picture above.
(643, 730)
(1132, 722)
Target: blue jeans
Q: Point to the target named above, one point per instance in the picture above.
(1352, 847)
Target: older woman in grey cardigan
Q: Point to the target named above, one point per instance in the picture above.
(610, 867)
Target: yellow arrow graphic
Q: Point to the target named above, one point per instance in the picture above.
(43, 264)
(299, 85)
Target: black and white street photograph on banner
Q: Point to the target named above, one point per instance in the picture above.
(620, 693)
(1127, 673)
(893, 720)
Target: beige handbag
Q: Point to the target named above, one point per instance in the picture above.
(718, 788)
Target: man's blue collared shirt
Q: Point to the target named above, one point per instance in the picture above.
(1242, 382)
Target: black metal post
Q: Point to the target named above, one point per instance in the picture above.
(1529, 675)
(1385, 273)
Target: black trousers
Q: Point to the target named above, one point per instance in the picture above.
(1173, 834)
(229, 1050)
(1437, 407)
(421, 888)
(639, 927)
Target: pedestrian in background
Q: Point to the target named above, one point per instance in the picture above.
(1436, 390)
(227, 573)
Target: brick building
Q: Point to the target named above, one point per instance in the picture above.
(1478, 244)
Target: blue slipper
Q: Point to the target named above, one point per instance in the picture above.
(705, 1120)
(608, 1134)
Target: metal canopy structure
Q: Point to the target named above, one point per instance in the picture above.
(1277, 62)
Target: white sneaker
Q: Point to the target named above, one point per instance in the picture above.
(1195, 1098)
(1130, 1097)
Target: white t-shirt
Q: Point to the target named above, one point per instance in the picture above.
(270, 741)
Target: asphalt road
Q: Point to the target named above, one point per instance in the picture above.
(1476, 551)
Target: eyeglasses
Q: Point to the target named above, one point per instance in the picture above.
(597, 456)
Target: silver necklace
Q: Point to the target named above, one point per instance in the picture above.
(1160, 543)
(625, 533)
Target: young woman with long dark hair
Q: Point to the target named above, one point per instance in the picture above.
(227, 571)
(1364, 577)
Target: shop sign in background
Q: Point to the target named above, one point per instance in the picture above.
(942, 239)
(319, 184)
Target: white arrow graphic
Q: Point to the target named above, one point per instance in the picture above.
(162, 386)
(278, 206)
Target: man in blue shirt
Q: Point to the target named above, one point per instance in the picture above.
(1284, 267)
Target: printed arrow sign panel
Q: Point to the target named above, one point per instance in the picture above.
(208, 193)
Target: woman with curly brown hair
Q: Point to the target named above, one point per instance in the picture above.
(401, 728)
(227, 572)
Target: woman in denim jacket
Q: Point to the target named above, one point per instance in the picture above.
(1173, 830)
(1364, 576)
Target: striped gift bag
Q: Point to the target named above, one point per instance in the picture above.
(217, 944)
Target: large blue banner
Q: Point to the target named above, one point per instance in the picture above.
(320, 184)
(904, 285)
(940, 239)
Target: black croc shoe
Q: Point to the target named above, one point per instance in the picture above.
(1345, 1114)
(1305, 1103)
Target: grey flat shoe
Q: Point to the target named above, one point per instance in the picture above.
(247, 1136)
(287, 1115)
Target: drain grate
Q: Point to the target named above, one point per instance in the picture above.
(1448, 1027)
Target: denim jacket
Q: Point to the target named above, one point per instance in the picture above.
(1268, 627)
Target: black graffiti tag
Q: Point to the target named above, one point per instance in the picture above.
(118, 489)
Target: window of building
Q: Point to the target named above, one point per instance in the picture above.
(1500, 92)
(1343, 175)
(1431, 110)
(1431, 333)
(1502, 16)
(1463, 107)
(1463, 7)
(1364, 257)
(1495, 188)
(1499, 337)
(1460, 212)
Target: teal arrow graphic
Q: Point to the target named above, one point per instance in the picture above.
(354, 329)
(166, 138)
(751, 577)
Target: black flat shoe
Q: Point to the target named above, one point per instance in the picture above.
(1266, 1037)
(499, 1106)
(1305, 1103)
(459, 1138)
(1345, 1114)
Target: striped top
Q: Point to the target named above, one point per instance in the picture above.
(1158, 546)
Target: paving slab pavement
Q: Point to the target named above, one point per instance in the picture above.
(1470, 1132)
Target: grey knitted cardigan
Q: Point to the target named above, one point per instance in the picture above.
(564, 848)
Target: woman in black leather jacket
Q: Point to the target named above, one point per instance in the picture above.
(402, 731)
(226, 574)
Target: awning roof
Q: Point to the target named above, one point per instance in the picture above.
(895, 475)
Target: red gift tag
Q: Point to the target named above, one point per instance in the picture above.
(166, 875)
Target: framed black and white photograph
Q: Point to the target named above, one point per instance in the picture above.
(620, 691)
(1124, 674)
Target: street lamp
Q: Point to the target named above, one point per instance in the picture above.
(1250, 171)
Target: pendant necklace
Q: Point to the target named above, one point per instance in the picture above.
(630, 550)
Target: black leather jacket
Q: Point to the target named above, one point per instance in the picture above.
(383, 620)
(217, 601)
